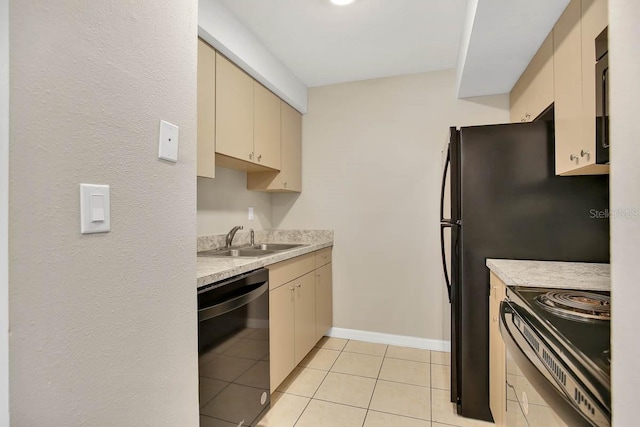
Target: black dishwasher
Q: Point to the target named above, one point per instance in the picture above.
(233, 348)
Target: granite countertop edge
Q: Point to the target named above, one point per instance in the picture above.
(214, 269)
(552, 274)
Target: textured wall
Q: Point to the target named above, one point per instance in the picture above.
(624, 53)
(103, 326)
(372, 166)
(4, 212)
(224, 202)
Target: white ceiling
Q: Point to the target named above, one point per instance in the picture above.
(325, 44)
(489, 41)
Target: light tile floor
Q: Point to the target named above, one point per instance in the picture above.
(344, 383)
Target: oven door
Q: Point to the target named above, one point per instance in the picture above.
(542, 389)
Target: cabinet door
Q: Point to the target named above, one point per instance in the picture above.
(234, 111)
(324, 300)
(266, 127)
(289, 179)
(594, 20)
(206, 110)
(533, 92)
(497, 355)
(305, 315)
(567, 65)
(281, 333)
(291, 148)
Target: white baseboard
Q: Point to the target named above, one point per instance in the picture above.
(389, 339)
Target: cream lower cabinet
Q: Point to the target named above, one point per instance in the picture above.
(305, 316)
(300, 310)
(281, 333)
(497, 355)
(324, 292)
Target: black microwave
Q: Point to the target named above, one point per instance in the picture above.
(602, 98)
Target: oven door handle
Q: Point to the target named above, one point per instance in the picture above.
(232, 304)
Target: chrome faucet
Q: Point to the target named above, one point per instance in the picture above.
(252, 237)
(231, 234)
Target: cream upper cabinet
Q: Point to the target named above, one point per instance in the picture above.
(206, 110)
(574, 86)
(266, 127)
(247, 121)
(291, 148)
(595, 19)
(497, 355)
(289, 179)
(234, 111)
(533, 93)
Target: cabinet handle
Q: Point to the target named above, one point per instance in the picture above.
(251, 155)
(284, 184)
(527, 115)
(495, 319)
(298, 286)
(573, 157)
(260, 157)
(291, 289)
(585, 154)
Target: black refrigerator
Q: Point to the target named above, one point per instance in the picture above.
(507, 202)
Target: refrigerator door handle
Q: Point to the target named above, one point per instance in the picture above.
(446, 224)
(444, 181)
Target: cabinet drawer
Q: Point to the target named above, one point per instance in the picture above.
(286, 271)
(323, 256)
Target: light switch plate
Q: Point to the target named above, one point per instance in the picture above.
(95, 209)
(168, 144)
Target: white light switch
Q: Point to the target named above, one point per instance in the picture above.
(250, 214)
(168, 144)
(95, 214)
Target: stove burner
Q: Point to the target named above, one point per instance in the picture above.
(576, 305)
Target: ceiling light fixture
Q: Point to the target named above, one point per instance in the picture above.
(342, 2)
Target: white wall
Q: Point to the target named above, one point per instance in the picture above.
(223, 203)
(372, 167)
(220, 28)
(103, 326)
(4, 211)
(624, 53)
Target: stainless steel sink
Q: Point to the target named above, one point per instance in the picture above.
(255, 251)
(237, 253)
(276, 246)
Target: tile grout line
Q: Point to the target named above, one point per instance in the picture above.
(322, 382)
(375, 385)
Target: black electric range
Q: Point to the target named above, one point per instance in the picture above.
(561, 341)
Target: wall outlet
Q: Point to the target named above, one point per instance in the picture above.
(250, 214)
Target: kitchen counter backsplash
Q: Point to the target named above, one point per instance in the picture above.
(207, 243)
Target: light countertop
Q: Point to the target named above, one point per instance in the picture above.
(552, 274)
(214, 269)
